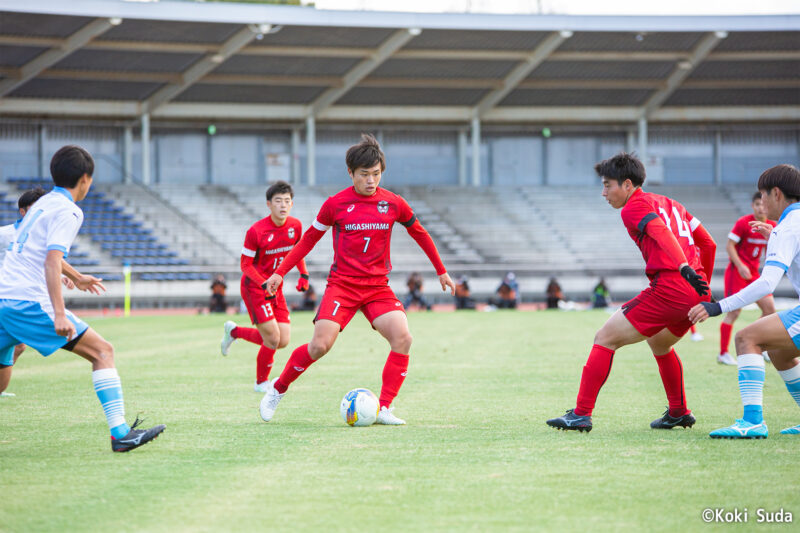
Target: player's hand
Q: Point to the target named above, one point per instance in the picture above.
(744, 272)
(761, 227)
(64, 327)
(703, 310)
(67, 282)
(695, 280)
(302, 283)
(445, 280)
(90, 284)
(272, 284)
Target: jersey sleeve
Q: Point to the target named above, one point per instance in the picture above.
(62, 231)
(405, 215)
(782, 247)
(740, 229)
(250, 247)
(637, 214)
(325, 218)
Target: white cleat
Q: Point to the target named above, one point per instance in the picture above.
(697, 337)
(7, 394)
(261, 387)
(726, 359)
(386, 417)
(269, 403)
(227, 339)
(765, 355)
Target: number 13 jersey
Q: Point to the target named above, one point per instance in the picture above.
(268, 244)
(362, 232)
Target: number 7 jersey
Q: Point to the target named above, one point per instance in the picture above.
(641, 208)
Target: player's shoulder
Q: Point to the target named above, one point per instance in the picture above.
(293, 221)
(261, 224)
(385, 194)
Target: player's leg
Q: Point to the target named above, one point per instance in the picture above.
(100, 353)
(393, 326)
(696, 335)
(258, 308)
(8, 358)
(767, 306)
(615, 333)
(725, 330)
(670, 369)
(787, 364)
(270, 334)
(286, 334)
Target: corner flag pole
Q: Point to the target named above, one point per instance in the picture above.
(126, 271)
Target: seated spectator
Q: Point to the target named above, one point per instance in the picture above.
(218, 303)
(414, 285)
(507, 293)
(554, 294)
(600, 295)
(463, 298)
(309, 301)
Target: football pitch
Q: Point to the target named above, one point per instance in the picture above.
(475, 455)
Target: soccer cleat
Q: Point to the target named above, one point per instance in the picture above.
(227, 338)
(269, 403)
(7, 394)
(726, 359)
(387, 418)
(669, 422)
(741, 430)
(794, 430)
(765, 355)
(697, 337)
(261, 387)
(136, 437)
(571, 421)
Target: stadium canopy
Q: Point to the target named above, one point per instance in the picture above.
(243, 62)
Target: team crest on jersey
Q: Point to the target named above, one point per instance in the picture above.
(383, 206)
(352, 206)
(291, 233)
(271, 236)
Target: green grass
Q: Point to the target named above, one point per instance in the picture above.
(475, 455)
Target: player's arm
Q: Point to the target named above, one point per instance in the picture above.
(708, 247)
(654, 226)
(302, 282)
(246, 262)
(764, 285)
(83, 282)
(52, 276)
(423, 239)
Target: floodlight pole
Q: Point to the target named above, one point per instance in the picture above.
(311, 149)
(476, 151)
(146, 149)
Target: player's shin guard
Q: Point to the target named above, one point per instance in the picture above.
(724, 337)
(296, 365)
(394, 373)
(751, 386)
(108, 388)
(595, 374)
(671, 370)
(248, 334)
(792, 379)
(264, 363)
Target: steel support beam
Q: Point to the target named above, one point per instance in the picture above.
(311, 151)
(49, 58)
(127, 154)
(146, 149)
(199, 69)
(642, 144)
(476, 151)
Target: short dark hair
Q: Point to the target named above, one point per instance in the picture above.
(784, 177)
(365, 154)
(756, 196)
(279, 187)
(69, 164)
(621, 167)
(29, 197)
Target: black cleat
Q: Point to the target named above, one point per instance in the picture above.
(571, 421)
(669, 422)
(136, 437)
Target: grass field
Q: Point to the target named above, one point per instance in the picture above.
(475, 455)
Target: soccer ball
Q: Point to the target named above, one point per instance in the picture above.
(359, 407)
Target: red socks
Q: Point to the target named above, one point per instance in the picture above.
(724, 337)
(248, 334)
(595, 374)
(671, 370)
(296, 365)
(264, 363)
(394, 373)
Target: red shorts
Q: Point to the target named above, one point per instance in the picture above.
(734, 282)
(259, 307)
(664, 304)
(343, 298)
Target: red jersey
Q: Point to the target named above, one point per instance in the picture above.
(362, 231)
(750, 244)
(641, 208)
(268, 244)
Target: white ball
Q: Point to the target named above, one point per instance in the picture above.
(359, 407)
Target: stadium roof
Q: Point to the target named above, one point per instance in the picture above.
(242, 62)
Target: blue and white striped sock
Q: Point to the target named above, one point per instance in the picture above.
(751, 386)
(109, 392)
(792, 379)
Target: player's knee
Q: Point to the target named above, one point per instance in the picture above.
(271, 340)
(318, 347)
(402, 342)
(745, 342)
(284, 342)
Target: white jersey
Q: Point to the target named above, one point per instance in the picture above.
(783, 247)
(6, 236)
(52, 223)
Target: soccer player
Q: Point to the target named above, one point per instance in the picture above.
(745, 248)
(779, 333)
(679, 254)
(31, 306)
(362, 217)
(265, 246)
(7, 233)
